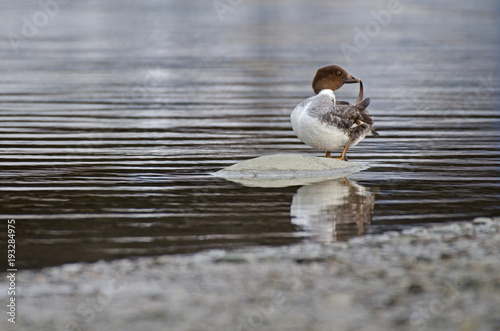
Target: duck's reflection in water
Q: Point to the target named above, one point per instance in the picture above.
(333, 210)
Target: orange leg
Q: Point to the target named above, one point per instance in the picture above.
(328, 154)
(343, 156)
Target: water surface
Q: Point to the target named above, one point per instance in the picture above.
(114, 115)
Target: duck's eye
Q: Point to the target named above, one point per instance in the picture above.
(339, 72)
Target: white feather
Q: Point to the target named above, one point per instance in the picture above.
(311, 131)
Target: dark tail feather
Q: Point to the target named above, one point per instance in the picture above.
(363, 104)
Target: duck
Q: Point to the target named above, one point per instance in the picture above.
(326, 124)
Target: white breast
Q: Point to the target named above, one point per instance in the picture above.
(311, 131)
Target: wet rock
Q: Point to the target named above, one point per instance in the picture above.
(282, 170)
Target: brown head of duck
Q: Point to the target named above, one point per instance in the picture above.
(332, 78)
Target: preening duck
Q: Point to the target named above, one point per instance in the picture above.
(326, 124)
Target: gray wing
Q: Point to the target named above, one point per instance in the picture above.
(344, 115)
(341, 116)
(322, 108)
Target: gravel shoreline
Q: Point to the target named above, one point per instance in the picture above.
(445, 277)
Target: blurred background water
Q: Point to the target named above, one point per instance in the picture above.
(114, 114)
